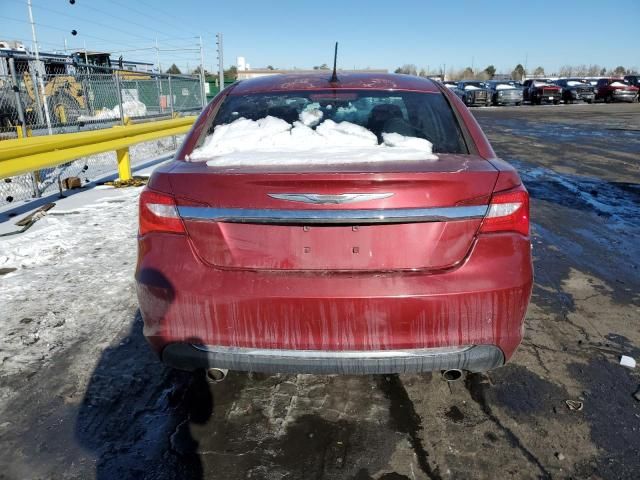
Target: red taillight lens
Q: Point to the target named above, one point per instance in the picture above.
(508, 212)
(158, 213)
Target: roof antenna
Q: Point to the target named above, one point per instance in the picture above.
(334, 76)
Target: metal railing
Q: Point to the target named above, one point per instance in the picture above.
(36, 154)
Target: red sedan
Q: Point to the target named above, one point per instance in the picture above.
(355, 226)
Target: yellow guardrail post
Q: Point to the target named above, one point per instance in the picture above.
(124, 164)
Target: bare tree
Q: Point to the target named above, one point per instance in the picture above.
(619, 70)
(538, 71)
(407, 69)
(490, 71)
(518, 72)
(467, 73)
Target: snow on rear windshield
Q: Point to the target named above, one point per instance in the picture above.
(329, 128)
(619, 83)
(504, 86)
(574, 83)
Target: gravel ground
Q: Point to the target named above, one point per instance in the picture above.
(82, 396)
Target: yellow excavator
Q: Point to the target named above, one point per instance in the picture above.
(65, 92)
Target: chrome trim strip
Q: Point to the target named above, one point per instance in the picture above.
(347, 217)
(328, 354)
(322, 199)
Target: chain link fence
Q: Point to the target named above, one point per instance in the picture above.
(48, 97)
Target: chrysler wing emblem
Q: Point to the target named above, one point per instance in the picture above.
(320, 199)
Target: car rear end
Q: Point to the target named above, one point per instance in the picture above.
(549, 94)
(346, 267)
(477, 98)
(510, 96)
(623, 91)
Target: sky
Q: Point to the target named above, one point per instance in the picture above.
(372, 34)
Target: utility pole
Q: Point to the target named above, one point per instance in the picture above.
(203, 92)
(159, 78)
(158, 57)
(39, 77)
(65, 45)
(220, 62)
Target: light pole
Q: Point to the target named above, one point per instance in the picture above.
(220, 62)
(38, 76)
(202, 88)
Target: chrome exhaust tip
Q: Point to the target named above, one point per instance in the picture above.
(452, 375)
(216, 375)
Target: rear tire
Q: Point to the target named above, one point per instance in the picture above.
(64, 108)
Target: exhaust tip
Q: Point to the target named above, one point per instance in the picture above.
(452, 375)
(216, 375)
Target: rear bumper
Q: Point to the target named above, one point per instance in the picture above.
(479, 358)
(480, 303)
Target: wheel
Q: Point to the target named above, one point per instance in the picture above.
(518, 104)
(537, 101)
(556, 102)
(589, 102)
(64, 108)
(608, 98)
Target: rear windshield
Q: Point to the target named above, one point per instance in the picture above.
(410, 114)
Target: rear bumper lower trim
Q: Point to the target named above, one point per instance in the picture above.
(362, 216)
(478, 358)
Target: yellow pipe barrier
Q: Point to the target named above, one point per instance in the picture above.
(24, 155)
(19, 147)
(124, 164)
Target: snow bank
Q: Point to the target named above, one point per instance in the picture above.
(130, 108)
(272, 141)
(504, 86)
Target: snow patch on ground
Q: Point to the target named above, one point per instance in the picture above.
(71, 279)
(130, 108)
(272, 141)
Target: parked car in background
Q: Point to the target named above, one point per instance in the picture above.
(504, 92)
(615, 90)
(538, 91)
(473, 93)
(316, 261)
(576, 90)
(635, 81)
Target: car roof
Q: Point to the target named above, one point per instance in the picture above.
(346, 81)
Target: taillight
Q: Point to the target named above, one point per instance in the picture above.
(508, 212)
(158, 213)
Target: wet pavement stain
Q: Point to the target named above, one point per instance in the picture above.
(478, 388)
(454, 414)
(613, 416)
(405, 419)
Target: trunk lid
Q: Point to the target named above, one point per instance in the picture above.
(410, 215)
